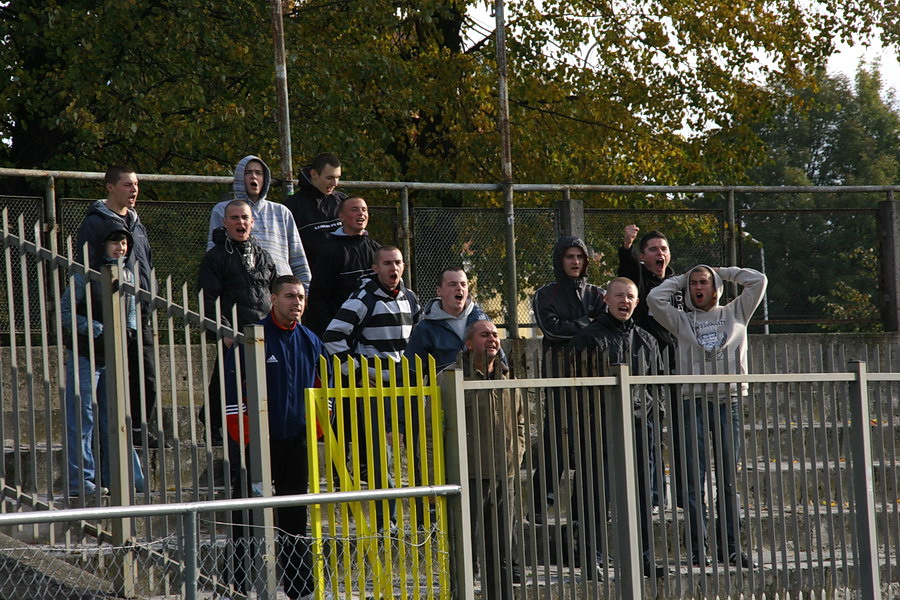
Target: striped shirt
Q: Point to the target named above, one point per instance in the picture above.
(373, 322)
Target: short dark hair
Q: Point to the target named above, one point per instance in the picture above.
(114, 174)
(283, 280)
(384, 249)
(470, 330)
(446, 270)
(323, 159)
(348, 199)
(650, 235)
(116, 236)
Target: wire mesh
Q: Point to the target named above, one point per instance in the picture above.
(475, 240)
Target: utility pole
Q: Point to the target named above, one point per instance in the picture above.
(283, 116)
(512, 290)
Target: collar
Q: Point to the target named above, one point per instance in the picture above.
(280, 326)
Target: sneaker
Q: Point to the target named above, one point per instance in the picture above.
(700, 560)
(740, 559)
(152, 441)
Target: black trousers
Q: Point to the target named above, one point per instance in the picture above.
(290, 475)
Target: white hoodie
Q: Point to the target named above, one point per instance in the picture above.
(713, 341)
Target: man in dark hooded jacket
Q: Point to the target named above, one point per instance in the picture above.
(238, 272)
(347, 258)
(315, 203)
(562, 308)
(122, 192)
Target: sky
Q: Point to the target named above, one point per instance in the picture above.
(847, 59)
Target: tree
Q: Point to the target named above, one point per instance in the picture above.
(830, 134)
(643, 92)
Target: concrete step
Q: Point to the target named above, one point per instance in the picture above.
(43, 471)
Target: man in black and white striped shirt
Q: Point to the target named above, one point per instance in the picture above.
(375, 321)
(378, 318)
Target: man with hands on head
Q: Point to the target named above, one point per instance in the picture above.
(712, 339)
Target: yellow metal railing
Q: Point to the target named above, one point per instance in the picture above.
(378, 435)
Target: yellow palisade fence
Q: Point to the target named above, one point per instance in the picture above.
(378, 435)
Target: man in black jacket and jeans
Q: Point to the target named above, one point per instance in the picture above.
(562, 308)
(615, 338)
(122, 190)
(237, 271)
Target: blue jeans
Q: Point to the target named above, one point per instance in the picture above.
(721, 422)
(139, 484)
(80, 428)
(80, 424)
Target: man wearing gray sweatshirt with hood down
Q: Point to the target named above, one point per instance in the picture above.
(273, 223)
(712, 339)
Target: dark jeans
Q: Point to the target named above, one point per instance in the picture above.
(720, 423)
(290, 475)
(147, 399)
(491, 505)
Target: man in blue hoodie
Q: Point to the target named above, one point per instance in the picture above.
(121, 196)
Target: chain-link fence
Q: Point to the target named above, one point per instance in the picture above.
(475, 239)
(189, 562)
(834, 250)
(823, 267)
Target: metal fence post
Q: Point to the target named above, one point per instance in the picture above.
(189, 575)
(861, 464)
(457, 471)
(571, 215)
(625, 520)
(405, 236)
(260, 466)
(116, 395)
(888, 222)
(50, 203)
(732, 239)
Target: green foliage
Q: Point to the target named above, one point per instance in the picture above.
(655, 91)
(853, 300)
(828, 134)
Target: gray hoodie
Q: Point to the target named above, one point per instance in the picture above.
(273, 225)
(713, 341)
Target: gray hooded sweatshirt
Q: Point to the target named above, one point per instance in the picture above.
(712, 341)
(273, 225)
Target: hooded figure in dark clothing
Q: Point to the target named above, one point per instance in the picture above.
(315, 203)
(563, 308)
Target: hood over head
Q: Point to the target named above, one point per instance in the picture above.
(717, 281)
(563, 244)
(110, 228)
(240, 191)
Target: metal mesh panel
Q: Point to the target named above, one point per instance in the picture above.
(31, 209)
(475, 239)
(832, 255)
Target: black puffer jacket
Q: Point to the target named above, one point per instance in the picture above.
(315, 215)
(611, 342)
(345, 259)
(566, 306)
(238, 273)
